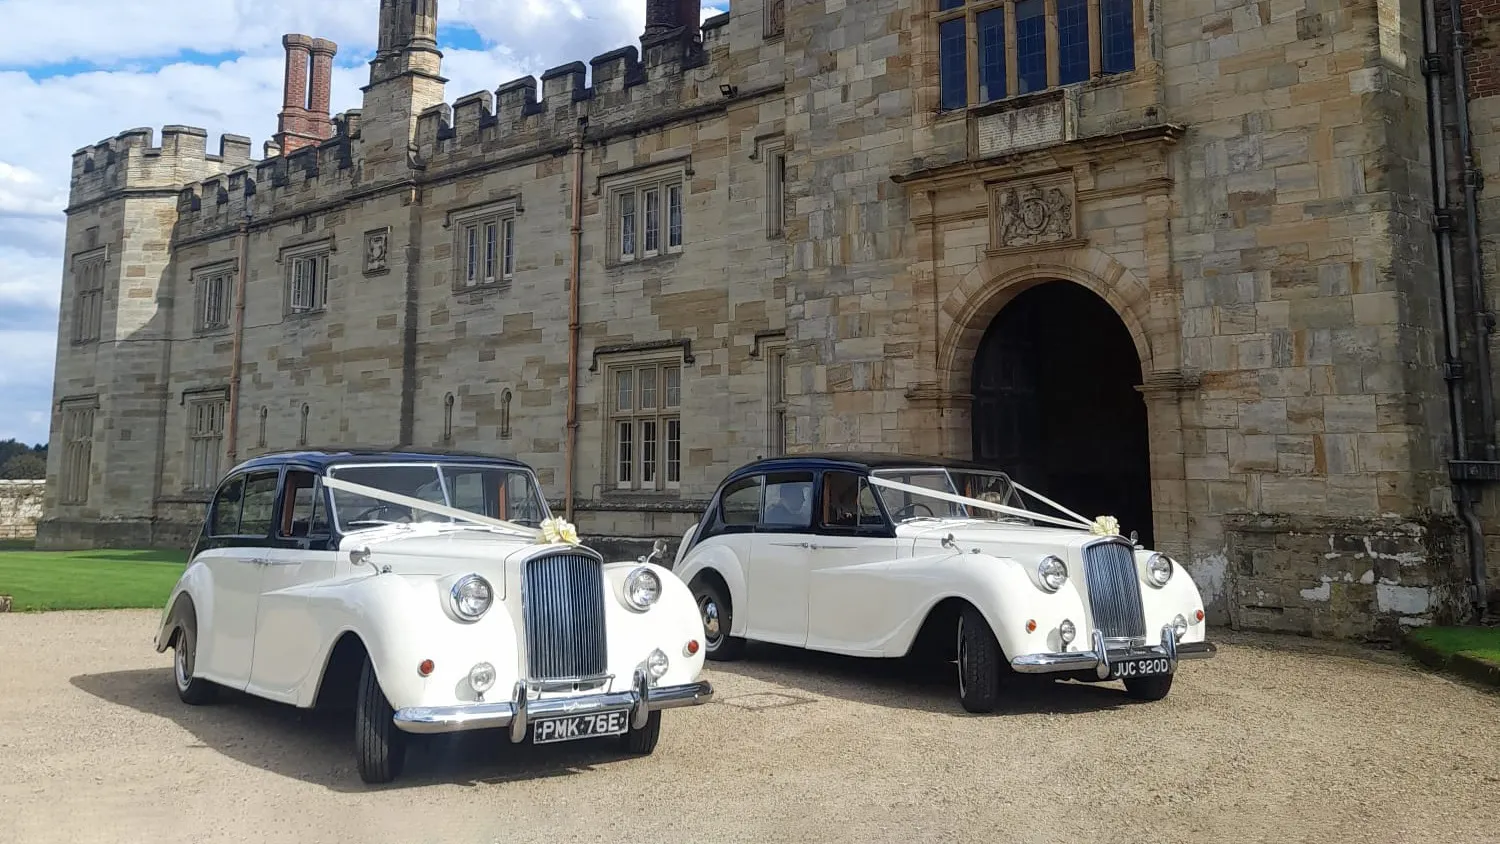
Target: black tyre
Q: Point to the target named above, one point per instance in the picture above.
(980, 662)
(714, 609)
(1149, 688)
(194, 691)
(643, 741)
(379, 746)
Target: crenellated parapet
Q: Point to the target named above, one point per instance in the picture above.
(131, 162)
(671, 73)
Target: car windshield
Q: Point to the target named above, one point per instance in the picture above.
(500, 492)
(994, 487)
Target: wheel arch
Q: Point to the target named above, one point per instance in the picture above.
(338, 682)
(181, 609)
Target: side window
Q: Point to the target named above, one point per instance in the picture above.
(260, 504)
(302, 508)
(225, 520)
(788, 501)
(848, 502)
(740, 503)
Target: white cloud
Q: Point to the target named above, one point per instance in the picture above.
(131, 75)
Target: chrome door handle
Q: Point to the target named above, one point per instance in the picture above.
(260, 561)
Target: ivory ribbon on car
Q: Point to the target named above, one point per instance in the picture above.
(436, 509)
(1103, 523)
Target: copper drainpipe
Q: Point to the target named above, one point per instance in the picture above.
(232, 424)
(573, 314)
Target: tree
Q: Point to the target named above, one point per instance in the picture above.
(27, 465)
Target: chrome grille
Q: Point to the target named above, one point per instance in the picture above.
(563, 598)
(1114, 590)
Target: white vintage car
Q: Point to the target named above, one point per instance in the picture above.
(433, 593)
(890, 556)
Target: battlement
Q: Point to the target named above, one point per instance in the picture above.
(130, 160)
(671, 72)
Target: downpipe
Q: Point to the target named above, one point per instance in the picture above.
(573, 324)
(1442, 232)
(232, 424)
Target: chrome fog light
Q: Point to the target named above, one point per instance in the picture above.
(482, 677)
(657, 664)
(1179, 627)
(1052, 572)
(1159, 569)
(471, 597)
(1067, 631)
(642, 588)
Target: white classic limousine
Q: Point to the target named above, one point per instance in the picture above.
(887, 555)
(433, 592)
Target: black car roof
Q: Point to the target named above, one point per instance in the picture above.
(321, 458)
(857, 461)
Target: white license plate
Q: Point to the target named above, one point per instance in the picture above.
(570, 727)
(1152, 667)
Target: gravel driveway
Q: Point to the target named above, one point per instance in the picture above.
(1274, 740)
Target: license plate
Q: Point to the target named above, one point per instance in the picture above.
(1139, 668)
(570, 727)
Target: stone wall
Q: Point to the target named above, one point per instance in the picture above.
(21, 505)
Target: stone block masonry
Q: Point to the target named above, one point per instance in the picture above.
(21, 506)
(798, 223)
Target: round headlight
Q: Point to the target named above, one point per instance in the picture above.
(1179, 627)
(471, 597)
(1159, 569)
(1053, 573)
(1067, 631)
(657, 664)
(482, 677)
(642, 588)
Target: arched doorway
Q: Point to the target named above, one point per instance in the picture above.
(1055, 404)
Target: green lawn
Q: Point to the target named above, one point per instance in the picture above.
(1481, 642)
(86, 580)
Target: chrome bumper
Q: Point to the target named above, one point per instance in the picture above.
(1101, 656)
(518, 712)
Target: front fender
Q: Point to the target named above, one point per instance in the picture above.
(191, 597)
(721, 559)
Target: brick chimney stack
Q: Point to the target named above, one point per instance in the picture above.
(305, 118)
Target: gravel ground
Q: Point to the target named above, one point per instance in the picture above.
(1275, 740)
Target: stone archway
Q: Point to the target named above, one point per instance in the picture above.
(1056, 403)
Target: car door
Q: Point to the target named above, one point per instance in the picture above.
(226, 631)
(300, 554)
(849, 591)
(777, 577)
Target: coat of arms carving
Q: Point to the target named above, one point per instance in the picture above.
(377, 247)
(1033, 214)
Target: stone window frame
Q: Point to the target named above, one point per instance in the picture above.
(663, 179)
(319, 256)
(773, 26)
(203, 430)
(1101, 22)
(79, 414)
(492, 267)
(772, 151)
(205, 278)
(89, 267)
(662, 415)
(778, 414)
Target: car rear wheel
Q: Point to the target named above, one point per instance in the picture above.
(980, 661)
(642, 742)
(713, 607)
(379, 746)
(1149, 688)
(194, 691)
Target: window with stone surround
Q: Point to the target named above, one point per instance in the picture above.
(776, 415)
(213, 292)
(205, 430)
(307, 280)
(993, 49)
(88, 296)
(773, 153)
(647, 215)
(78, 448)
(645, 417)
(774, 25)
(485, 247)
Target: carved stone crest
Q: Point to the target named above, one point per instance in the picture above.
(377, 249)
(775, 17)
(1036, 213)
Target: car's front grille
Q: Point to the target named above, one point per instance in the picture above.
(1114, 590)
(563, 596)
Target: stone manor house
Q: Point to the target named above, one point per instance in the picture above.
(1217, 269)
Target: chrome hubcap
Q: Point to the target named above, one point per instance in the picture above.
(963, 657)
(181, 662)
(710, 612)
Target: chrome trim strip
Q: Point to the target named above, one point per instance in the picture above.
(520, 713)
(1100, 658)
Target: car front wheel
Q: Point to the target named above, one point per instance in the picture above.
(642, 742)
(980, 662)
(379, 746)
(713, 607)
(1149, 688)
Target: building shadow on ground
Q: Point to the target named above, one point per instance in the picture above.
(928, 685)
(318, 746)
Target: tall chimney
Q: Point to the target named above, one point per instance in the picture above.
(304, 118)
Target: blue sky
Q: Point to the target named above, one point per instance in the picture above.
(74, 72)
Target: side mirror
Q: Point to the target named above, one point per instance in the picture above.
(359, 556)
(658, 548)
